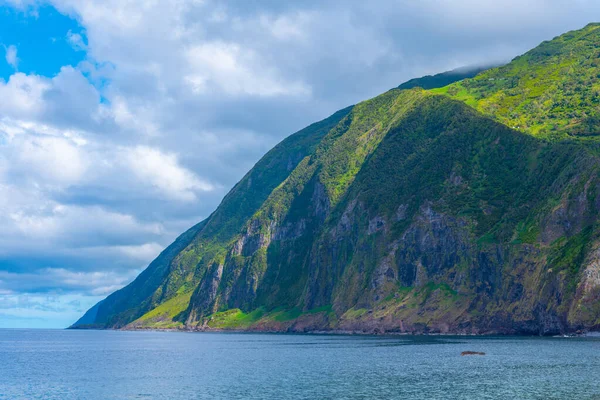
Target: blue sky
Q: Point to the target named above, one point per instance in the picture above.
(123, 123)
(42, 40)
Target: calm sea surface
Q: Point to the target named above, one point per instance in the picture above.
(54, 364)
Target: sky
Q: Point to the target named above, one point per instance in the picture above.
(125, 122)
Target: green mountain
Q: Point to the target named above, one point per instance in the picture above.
(467, 208)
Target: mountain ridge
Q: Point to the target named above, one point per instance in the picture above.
(417, 211)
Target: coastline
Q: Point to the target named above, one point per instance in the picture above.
(341, 332)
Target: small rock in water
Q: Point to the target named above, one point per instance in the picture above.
(472, 353)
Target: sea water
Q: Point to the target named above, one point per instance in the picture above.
(67, 364)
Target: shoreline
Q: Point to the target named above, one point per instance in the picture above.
(334, 332)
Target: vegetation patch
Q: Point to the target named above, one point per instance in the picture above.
(234, 319)
(165, 315)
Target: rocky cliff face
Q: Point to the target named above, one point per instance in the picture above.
(411, 212)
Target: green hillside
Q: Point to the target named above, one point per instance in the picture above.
(467, 208)
(551, 91)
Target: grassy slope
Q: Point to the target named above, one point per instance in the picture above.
(165, 315)
(552, 91)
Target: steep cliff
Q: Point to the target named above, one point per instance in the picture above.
(468, 208)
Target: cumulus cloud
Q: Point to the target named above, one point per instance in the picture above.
(53, 159)
(162, 170)
(22, 95)
(81, 226)
(225, 67)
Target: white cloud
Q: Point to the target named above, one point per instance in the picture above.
(53, 159)
(22, 95)
(41, 155)
(79, 226)
(226, 67)
(66, 101)
(11, 56)
(137, 120)
(97, 283)
(71, 101)
(163, 171)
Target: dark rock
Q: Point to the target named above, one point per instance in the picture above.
(472, 353)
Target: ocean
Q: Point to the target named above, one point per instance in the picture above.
(79, 364)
